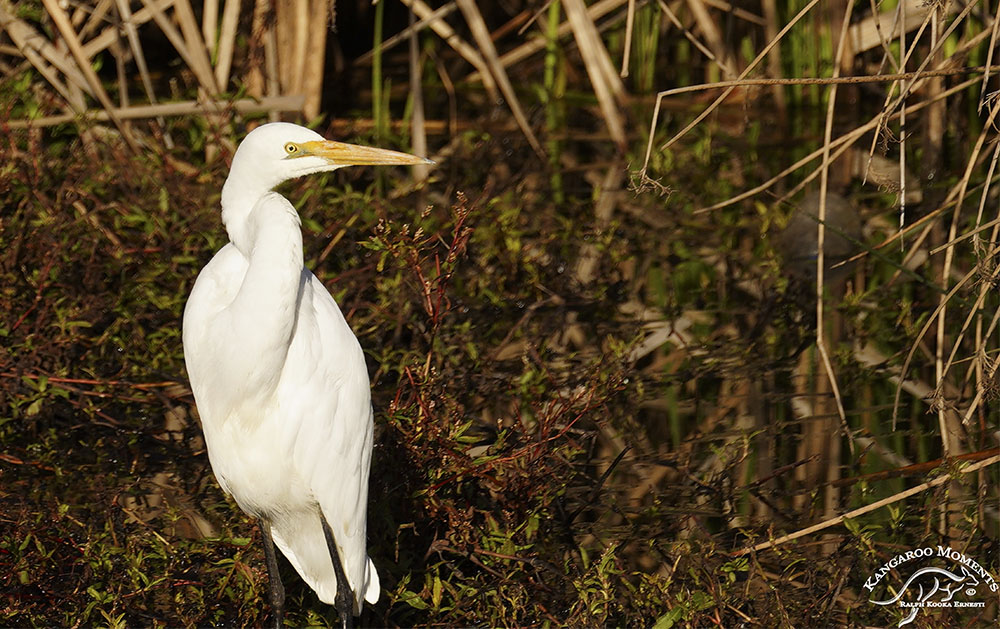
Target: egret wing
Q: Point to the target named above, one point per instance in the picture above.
(325, 393)
(205, 343)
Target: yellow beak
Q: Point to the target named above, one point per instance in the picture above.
(343, 154)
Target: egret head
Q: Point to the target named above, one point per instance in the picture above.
(279, 151)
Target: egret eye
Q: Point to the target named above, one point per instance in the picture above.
(291, 148)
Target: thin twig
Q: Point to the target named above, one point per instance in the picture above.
(821, 228)
(866, 509)
(840, 80)
(990, 50)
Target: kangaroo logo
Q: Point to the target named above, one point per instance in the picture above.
(939, 583)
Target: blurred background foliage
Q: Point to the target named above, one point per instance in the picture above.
(605, 382)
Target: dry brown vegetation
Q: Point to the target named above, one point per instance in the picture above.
(625, 372)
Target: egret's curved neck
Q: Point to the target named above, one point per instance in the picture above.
(264, 311)
(240, 194)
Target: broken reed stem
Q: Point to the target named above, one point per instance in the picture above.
(865, 509)
(226, 43)
(608, 87)
(200, 63)
(629, 26)
(187, 108)
(209, 20)
(419, 130)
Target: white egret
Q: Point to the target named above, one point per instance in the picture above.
(278, 377)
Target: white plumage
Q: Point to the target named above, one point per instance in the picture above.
(278, 377)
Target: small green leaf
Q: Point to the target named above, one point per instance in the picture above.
(436, 592)
(33, 408)
(669, 619)
(412, 599)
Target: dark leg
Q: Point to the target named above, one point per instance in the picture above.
(345, 602)
(273, 578)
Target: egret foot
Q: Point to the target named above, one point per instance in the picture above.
(277, 590)
(345, 602)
